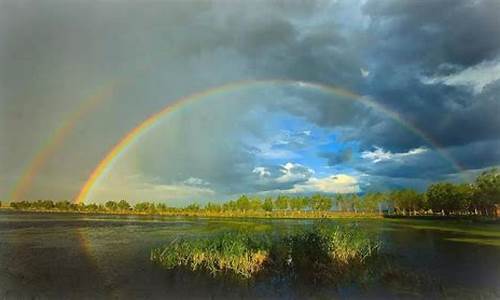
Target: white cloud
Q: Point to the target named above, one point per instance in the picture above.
(475, 77)
(194, 181)
(267, 151)
(297, 178)
(293, 172)
(340, 183)
(379, 154)
(364, 72)
(262, 171)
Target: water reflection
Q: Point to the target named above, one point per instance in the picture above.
(74, 256)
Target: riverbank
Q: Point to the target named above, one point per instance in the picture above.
(208, 214)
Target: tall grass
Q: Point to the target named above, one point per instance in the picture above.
(230, 252)
(320, 254)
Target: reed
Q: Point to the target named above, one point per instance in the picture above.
(319, 254)
(228, 253)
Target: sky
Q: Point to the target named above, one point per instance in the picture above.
(77, 76)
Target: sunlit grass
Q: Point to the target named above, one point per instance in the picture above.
(233, 253)
(320, 254)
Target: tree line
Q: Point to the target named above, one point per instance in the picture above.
(481, 197)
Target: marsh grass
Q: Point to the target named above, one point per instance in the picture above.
(319, 255)
(235, 253)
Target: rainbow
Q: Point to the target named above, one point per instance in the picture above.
(133, 135)
(56, 140)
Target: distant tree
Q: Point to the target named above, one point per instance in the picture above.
(193, 207)
(111, 205)
(442, 197)
(371, 201)
(298, 203)
(281, 202)
(212, 207)
(92, 207)
(357, 204)
(464, 197)
(321, 203)
(407, 201)
(340, 202)
(487, 191)
(161, 207)
(255, 204)
(268, 204)
(230, 205)
(63, 205)
(243, 203)
(123, 205)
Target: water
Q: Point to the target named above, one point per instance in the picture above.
(83, 256)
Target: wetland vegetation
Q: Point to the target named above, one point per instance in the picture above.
(323, 253)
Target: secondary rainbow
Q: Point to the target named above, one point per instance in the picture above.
(132, 136)
(56, 140)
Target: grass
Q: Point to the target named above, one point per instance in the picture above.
(257, 214)
(317, 255)
(229, 252)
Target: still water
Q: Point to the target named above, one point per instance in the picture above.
(65, 256)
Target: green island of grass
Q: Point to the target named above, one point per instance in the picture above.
(319, 254)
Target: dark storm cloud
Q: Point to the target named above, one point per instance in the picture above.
(335, 158)
(431, 33)
(280, 177)
(53, 54)
(410, 40)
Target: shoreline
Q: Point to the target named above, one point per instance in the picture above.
(233, 215)
(290, 215)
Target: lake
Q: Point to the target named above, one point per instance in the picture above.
(95, 256)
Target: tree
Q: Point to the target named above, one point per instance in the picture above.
(92, 207)
(255, 204)
(231, 205)
(356, 203)
(487, 191)
(321, 203)
(298, 203)
(243, 203)
(281, 202)
(340, 202)
(444, 197)
(143, 207)
(193, 207)
(123, 205)
(111, 205)
(63, 205)
(371, 201)
(407, 201)
(268, 204)
(465, 194)
(161, 207)
(213, 207)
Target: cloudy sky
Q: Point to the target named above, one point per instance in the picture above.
(76, 76)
